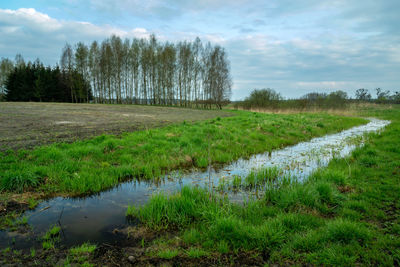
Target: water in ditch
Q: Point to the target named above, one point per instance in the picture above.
(94, 218)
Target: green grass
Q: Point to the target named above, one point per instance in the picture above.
(52, 232)
(48, 244)
(82, 249)
(80, 254)
(346, 214)
(32, 203)
(51, 237)
(12, 221)
(168, 253)
(33, 252)
(262, 177)
(179, 210)
(196, 253)
(94, 165)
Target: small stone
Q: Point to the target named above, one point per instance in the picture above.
(131, 259)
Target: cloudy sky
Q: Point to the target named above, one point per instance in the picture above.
(292, 46)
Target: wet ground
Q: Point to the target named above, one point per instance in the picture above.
(100, 218)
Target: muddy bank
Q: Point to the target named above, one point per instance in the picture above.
(129, 252)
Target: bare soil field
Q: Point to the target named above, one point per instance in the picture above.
(27, 124)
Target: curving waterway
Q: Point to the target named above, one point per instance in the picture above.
(95, 217)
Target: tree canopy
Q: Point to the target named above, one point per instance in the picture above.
(147, 71)
(137, 71)
(35, 82)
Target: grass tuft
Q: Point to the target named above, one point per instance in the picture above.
(196, 253)
(168, 253)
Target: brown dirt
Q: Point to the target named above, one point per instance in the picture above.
(118, 257)
(106, 255)
(12, 206)
(345, 189)
(26, 125)
(17, 203)
(131, 252)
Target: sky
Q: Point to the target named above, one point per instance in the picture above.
(294, 47)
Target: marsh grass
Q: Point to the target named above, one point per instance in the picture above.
(262, 176)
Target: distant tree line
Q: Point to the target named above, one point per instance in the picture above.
(270, 99)
(35, 82)
(146, 71)
(137, 71)
(382, 96)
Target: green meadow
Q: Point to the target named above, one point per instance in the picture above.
(93, 165)
(346, 214)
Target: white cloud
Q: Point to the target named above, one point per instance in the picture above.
(31, 18)
(34, 34)
(291, 47)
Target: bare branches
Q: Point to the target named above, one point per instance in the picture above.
(146, 71)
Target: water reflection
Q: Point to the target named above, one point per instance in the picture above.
(94, 218)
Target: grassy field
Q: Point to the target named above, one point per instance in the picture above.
(26, 125)
(101, 162)
(347, 214)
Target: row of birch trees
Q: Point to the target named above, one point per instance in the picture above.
(147, 71)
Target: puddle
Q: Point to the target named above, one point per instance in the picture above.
(94, 218)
